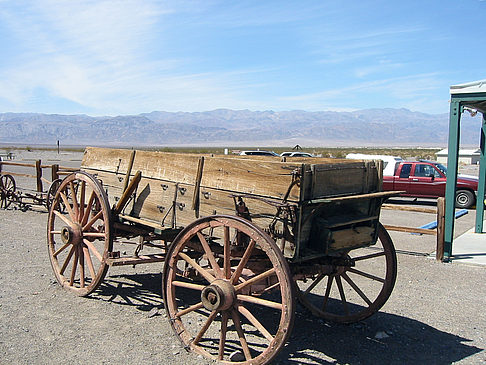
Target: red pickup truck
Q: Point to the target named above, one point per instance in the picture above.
(426, 179)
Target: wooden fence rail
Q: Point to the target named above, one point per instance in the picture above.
(439, 231)
(56, 171)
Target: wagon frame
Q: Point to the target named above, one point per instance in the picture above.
(241, 239)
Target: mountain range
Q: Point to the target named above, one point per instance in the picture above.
(224, 127)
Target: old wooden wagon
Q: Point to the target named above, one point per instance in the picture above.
(241, 239)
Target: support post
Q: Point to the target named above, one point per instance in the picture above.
(38, 174)
(129, 170)
(452, 167)
(482, 180)
(439, 252)
(54, 172)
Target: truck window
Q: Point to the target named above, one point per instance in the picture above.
(405, 171)
(422, 170)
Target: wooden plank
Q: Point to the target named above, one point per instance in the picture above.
(18, 174)
(6, 163)
(411, 230)
(135, 260)
(409, 209)
(258, 176)
(107, 159)
(351, 238)
(127, 192)
(129, 170)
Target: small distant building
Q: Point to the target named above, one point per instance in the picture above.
(468, 157)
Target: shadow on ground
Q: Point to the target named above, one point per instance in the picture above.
(382, 339)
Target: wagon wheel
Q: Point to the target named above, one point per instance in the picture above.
(7, 190)
(52, 192)
(79, 233)
(347, 293)
(228, 298)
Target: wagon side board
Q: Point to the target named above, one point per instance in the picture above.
(340, 197)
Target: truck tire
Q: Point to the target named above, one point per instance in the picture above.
(465, 199)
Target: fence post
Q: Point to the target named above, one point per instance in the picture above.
(38, 174)
(54, 172)
(439, 253)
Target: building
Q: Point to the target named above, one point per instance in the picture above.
(468, 157)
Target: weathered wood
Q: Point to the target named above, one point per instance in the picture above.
(135, 260)
(196, 196)
(351, 238)
(7, 163)
(411, 230)
(54, 172)
(176, 188)
(127, 192)
(38, 173)
(18, 174)
(224, 172)
(409, 209)
(129, 170)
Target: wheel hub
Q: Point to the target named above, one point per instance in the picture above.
(72, 235)
(219, 295)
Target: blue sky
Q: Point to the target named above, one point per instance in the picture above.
(127, 57)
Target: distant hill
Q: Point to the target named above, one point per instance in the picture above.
(381, 127)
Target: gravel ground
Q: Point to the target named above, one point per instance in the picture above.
(434, 316)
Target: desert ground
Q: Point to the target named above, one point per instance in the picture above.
(435, 314)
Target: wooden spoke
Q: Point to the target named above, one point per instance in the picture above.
(63, 217)
(187, 285)
(93, 249)
(222, 337)
(66, 262)
(89, 261)
(94, 234)
(244, 260)
(87, 212)
(341, 293)
(356, 288)
(366, 275)
(241, 335)
(61, 249)
(68, 206)
(210, 256)
(255, 322)
(205, 327)
(88, 225)
(81, 267)
(205, 274)
(189, 309)
(314, 284)
(75, 201)
(255, 279)
(259, 301)
(226, 253)
(328, 291)
(82, 201)
(75, 264)
(371, 256)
